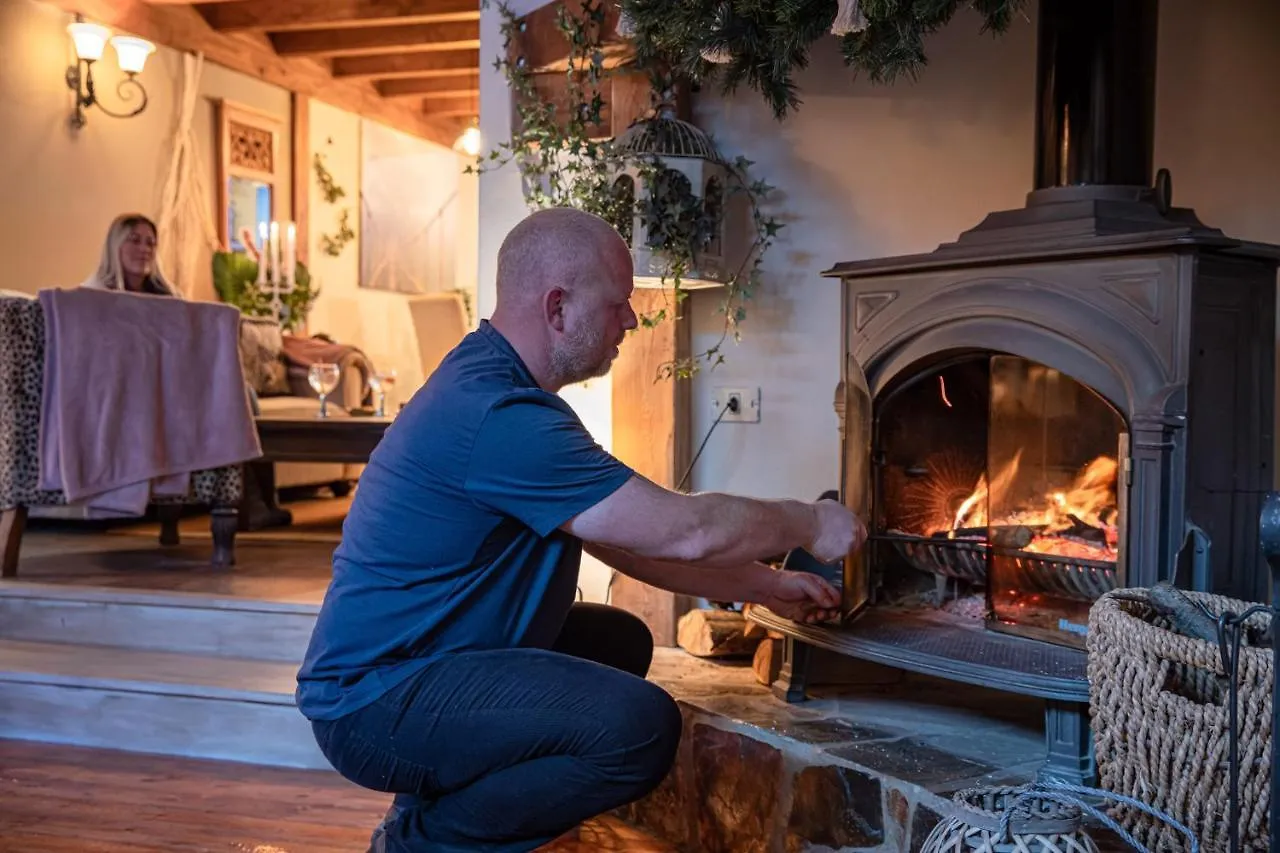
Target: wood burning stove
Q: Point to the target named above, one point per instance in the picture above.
(1074, 396)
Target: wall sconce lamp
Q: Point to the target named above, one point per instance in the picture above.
(90, 42)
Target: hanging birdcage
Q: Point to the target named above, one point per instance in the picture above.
(691, 187)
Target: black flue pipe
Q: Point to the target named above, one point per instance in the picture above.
(1095, 93)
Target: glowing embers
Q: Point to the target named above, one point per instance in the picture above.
(999, 475)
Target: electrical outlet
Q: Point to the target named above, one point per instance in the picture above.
(748, 404)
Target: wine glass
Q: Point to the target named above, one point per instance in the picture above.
(323, 378)
(380, 381)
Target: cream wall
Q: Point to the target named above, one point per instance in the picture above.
(376, 321)
(62, 188)
(868, 171)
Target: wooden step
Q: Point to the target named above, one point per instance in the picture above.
(198, 706)
(188, 623)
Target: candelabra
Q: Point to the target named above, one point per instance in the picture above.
(277, 265)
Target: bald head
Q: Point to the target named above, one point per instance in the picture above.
(557, 247)
(564, 291)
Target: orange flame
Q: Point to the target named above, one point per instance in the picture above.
(1089, 502)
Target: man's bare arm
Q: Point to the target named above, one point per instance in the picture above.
(793, 595)
(748, 582)
(712, 529)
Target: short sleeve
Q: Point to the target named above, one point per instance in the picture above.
(535, 461)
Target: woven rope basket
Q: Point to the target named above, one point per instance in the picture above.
(1037, 826)
(1161, 724)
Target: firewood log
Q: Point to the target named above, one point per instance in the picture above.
(714, 634)
(767, 661)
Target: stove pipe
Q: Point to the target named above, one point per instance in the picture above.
(1095, 93)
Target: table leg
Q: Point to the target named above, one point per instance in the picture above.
(259, 508)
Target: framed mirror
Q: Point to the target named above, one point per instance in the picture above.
(249, 203)
(249, 171)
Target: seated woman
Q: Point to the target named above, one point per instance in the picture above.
(129, 259)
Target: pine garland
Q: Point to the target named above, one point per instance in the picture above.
(762, 43)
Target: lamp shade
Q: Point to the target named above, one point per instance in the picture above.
(132, 53)
(90, 39)
(469, 142)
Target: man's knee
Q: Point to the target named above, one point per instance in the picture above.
(635, 642)
(610, 635)
(655, 726)
(670, 727)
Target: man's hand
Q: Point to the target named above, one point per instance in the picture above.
(837, 532)
(802, 597)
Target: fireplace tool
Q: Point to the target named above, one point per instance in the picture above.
(1231, 631)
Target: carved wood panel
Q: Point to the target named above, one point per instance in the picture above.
(251, 147)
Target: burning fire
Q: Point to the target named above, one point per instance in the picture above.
(1079, 521)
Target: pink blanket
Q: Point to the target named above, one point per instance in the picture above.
(139, 392)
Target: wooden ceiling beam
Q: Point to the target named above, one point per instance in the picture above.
(182, 28)
(452, 107)
(439, 86)
(373, 40)
(289, 15)
(431, 63)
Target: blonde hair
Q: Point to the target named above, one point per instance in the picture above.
(109, 275)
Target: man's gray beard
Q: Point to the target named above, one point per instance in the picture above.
(569, 364)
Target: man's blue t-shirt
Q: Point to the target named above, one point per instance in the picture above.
(452, 541)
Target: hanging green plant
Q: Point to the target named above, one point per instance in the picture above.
(565, 162)
(762, 43)
(328, 186)
(333, 244)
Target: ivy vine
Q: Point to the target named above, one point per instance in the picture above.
(333, 245)
(565, 160)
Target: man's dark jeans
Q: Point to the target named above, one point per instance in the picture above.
(503, 751)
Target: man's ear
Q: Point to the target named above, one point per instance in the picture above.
(553, 308)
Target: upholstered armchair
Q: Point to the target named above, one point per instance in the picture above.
(21, 391)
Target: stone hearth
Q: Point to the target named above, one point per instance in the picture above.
(869, 764)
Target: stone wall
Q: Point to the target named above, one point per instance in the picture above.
(741, 788)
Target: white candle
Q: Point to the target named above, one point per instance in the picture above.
(291, 252)
(262, 253)
(274, 252)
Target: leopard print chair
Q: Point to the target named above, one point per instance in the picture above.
(21, 388)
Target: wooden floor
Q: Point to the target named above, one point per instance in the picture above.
(58, 799)
(289, 564)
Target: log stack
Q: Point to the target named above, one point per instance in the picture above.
(729, 635)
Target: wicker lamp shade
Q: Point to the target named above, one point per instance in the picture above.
(1037, 825)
